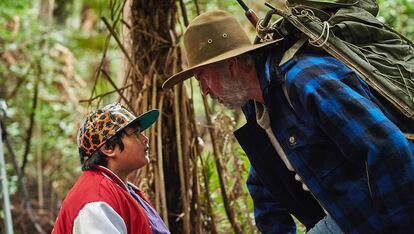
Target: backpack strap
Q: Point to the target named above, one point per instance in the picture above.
(286, 95)
(286, 57)
(409, 136)
(292, 50)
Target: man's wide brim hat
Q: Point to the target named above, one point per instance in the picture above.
(212, 37)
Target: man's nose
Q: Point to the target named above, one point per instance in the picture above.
(204, 88)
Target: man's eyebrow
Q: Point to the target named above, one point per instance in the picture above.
(196, 75)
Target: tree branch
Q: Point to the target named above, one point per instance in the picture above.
(25, 199)
(105, 94)
(32, 119)
(116, 88)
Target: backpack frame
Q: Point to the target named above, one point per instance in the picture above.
(384, 60)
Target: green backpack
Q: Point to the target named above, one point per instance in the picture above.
(349, 31)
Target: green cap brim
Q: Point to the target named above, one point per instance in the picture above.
(146, 120)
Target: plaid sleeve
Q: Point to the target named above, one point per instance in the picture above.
(269, 215)
(337, 101)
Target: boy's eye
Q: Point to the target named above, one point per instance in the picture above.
(133, 132)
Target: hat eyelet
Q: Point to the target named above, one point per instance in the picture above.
(225, 35)
(210, 41)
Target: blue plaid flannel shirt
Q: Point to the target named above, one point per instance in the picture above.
(343, 141)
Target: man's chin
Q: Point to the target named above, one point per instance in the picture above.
(233, 106)
(231, 102)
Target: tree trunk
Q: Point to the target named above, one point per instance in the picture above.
(156, 56)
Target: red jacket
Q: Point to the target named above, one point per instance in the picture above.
(100, 201)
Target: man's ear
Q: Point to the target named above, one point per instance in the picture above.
(108, 151)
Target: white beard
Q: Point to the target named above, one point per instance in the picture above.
(233, 93)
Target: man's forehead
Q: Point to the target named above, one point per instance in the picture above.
(199, 71)
(199, 74)
(208, 67)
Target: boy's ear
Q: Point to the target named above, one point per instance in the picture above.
(108, 151)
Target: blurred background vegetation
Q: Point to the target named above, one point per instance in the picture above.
(51, 55)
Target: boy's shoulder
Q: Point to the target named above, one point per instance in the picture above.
(91, 190)
(92, 186)
(85, 188)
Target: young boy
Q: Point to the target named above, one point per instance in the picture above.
(111, 145)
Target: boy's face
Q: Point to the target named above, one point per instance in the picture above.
(135, 153)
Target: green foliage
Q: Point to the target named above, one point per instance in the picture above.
(399, 14)
(11, 6)
(59, 60)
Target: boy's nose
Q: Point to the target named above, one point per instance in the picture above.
(144, 139)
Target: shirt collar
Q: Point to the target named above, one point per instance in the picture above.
(112, 176)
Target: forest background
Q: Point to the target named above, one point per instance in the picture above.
(60, 59)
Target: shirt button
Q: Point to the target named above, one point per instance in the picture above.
(292, 140)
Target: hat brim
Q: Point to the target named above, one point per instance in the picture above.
(189, 72)
(145, 120)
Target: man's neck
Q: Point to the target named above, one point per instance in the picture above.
(253, 86)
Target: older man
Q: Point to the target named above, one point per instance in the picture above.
(310, 118)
